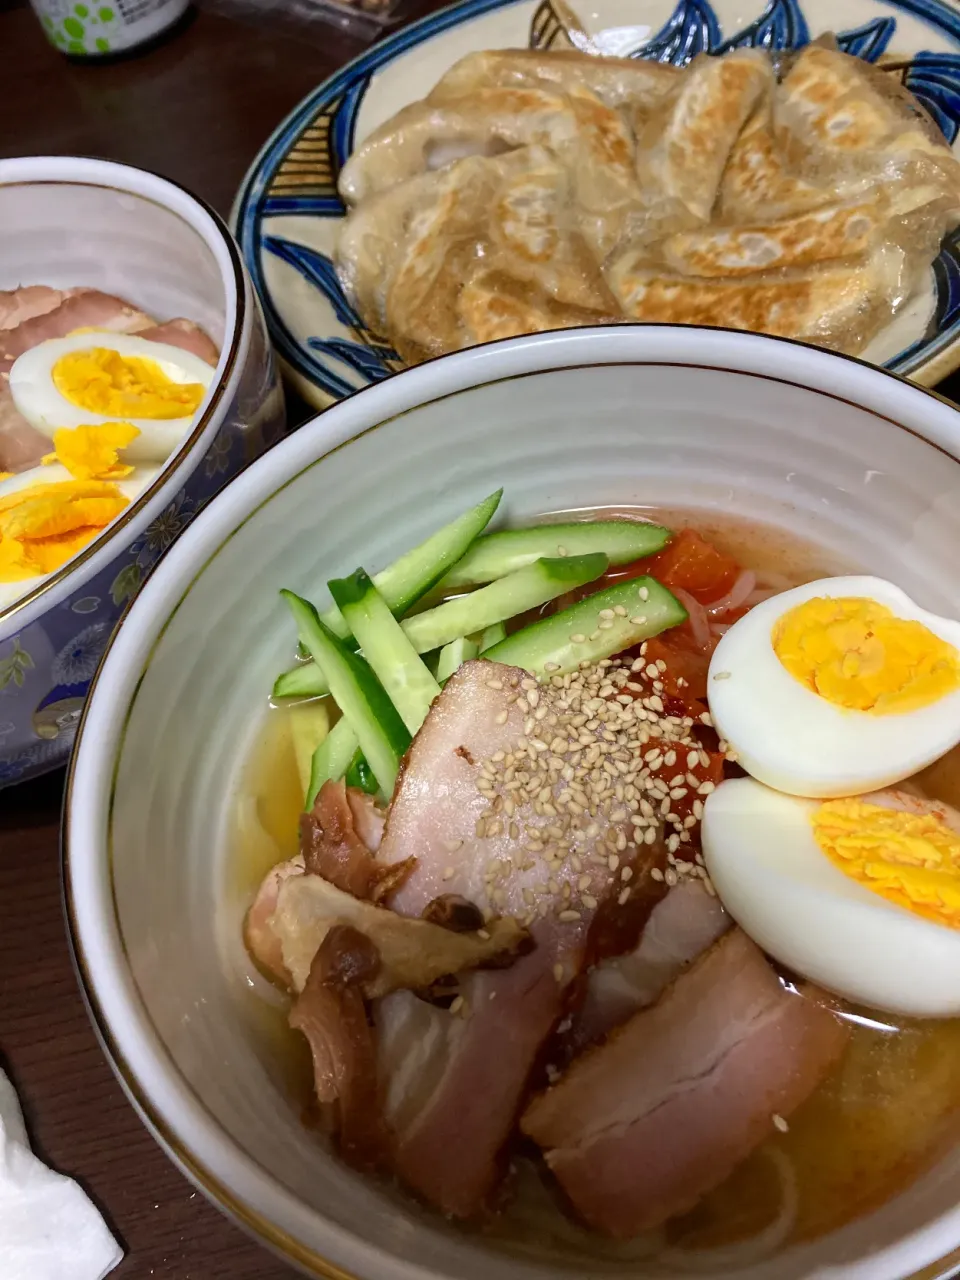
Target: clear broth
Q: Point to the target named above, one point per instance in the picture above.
(886, 1113)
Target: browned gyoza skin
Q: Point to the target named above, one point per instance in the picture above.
(643, 1126)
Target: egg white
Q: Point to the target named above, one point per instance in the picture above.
(792, 739)
(131, 486)
(37, 398)
(783, 890)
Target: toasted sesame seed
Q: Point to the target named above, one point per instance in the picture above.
(644, 593)
(722, 675)
(562, 551)
(670, 876)
(779, 1123)
(567, 917)
(448, 873)
(494, 683)
(578, 638)
(619, 610)
(595, 635)
(484, 934)
(551, 666)
(589, 902)
(501, 717)
(457, 1005)
(656, 873)
(624, 897)
(705, 788)
(558, 972)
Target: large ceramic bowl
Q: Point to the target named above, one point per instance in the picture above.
(830, 448)
(68, 222)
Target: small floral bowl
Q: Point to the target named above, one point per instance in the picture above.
(70, 222)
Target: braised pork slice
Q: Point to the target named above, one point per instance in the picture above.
(80, 309)
(525, 800)
(331, 1013)
(413, 953)
(17, 305)
(643, 1126)
(333, 847)
(258, 934)
(21, 445)
(186, 335)
(681, 927)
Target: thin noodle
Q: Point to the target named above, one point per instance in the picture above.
(757, 1248)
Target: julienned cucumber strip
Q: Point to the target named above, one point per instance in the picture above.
(382, 735)
(516, 593)
(361, 775)
(496, 554)
(492, 635)
(331, 760)
(598, 627)
(454, 655)
(302, 681)
(403, 583)
(386, 648)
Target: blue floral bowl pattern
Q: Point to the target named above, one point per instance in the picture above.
(287, 212)
(51, 643)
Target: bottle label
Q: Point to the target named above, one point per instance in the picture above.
(105, 26)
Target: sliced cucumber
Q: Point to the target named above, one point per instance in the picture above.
(361, 775)
(516, 593)
(497, 554)
(309, 726)
(394, 661)
(358, 693)
(302, 681)
(592, 629)
(332, 758)
(492, 635)
(454, 655)
(403, 583)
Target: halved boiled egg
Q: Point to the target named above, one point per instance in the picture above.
(91, 378)
(837, 687)
(861, 895)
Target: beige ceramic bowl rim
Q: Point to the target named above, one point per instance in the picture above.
(548, 353)
(126, 179)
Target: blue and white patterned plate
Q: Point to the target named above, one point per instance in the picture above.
(287, 213)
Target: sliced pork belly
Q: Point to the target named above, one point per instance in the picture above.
(86, 308)
(333, 847)
(453, 1081)
(186, 335)
(21, 446)
(331, 1013)
(258, 935)
(643, 1126)
(681, 927)
(17, 305)
(508, 800)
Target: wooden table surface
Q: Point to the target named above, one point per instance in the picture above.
(196, 109)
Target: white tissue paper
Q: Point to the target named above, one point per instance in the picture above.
(49, 1229)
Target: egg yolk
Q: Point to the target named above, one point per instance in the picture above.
(93, 452)
(856, 653)
(910, 859)
(103, 381)
(44, 525)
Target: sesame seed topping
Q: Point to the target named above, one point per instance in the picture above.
(578, 638)
(568, 917)
(501, 717)
(722, 675)
(779, 1123)
(457, 1005)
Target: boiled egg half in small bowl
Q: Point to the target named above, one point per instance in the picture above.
(837, 687)
(92, 378)
(860, 895)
